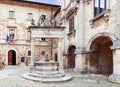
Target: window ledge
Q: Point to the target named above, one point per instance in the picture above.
(28, 19)
(12, 18)
(104, 14)
(28, 40)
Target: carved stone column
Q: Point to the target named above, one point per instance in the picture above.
(60, 57)
(32, 51)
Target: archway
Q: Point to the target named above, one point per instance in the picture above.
(11, 57)
(101, 56)
(71, 56)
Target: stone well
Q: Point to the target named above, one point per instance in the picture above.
(46, 71)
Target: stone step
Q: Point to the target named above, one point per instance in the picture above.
(47, 72)
(46, 76)
(65, 78)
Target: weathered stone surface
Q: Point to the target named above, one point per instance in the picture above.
(91, 81)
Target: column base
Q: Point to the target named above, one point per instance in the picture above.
(114, 78)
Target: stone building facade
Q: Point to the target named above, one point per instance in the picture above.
(92, 38)
(15, 40)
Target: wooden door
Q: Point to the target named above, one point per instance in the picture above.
(10, 57)
(71, 59)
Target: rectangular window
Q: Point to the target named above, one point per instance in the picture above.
(99, 6)
(29, 53)
(11, 34)
(71, 24)
(43, 39)
(28, 35)
(29, 16)
(11, 14)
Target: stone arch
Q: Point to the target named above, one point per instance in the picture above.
(71, 55)
(74, 44)
(7, 55)
(111, 36)
(100, 54)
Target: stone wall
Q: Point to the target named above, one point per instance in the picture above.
(88, 28)
(20, 24)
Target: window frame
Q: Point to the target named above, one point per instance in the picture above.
(29, 16)
(11, 14)
(98, 10)
(29, 35)
(12, 34)
(71, 24)
(29, 51)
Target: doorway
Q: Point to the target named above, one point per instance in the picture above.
(101, 56)
(11, 57)
(71, 56)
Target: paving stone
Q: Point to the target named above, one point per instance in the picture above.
(78, 80)
(91, 81)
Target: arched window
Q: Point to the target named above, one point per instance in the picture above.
(28, 35)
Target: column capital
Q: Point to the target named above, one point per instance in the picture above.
(80, 50)
(116, 44)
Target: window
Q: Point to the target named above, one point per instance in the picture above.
(11, 34)
(28, 35)
(29, 53)
(11, 14)
(29, 16)
(71, 24)
(99, 6)
(43, 39)
(43, 17)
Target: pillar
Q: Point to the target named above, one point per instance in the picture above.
(115, 77)
(80, 35)
(60, 57)
(32, 51)
(80, 60)
(80, 38)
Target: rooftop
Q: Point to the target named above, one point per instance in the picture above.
(49, 2)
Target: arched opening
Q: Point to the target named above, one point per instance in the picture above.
(101, 56)
(11, 57)
(71, 56)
